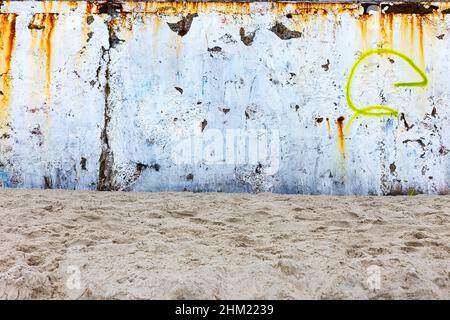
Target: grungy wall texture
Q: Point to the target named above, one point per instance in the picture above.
(281, 97)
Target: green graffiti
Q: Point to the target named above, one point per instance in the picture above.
(378, 110)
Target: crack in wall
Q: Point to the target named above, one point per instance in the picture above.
(106, 160)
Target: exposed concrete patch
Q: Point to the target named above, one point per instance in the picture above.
(247, 38)
(283, 32)
(182, 27)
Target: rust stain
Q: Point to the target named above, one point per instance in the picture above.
(73, 4)
(421, 47)
(403, 30)
(305, 9)
(125, 21)
(341, 137)
(90, 8)
(328, 127)
(364, 31)
(279, 8)
(7, 39)
(156, 27)
(411, 31)
(42, 25)
(386, 29)
(47, 6)
(177, 8)
(46, 43)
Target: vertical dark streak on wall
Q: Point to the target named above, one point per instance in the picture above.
(106, 161)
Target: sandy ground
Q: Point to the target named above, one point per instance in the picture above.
(90, 245)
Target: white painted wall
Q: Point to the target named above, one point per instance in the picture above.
(279, 87)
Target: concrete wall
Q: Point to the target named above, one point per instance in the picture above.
(148, 96)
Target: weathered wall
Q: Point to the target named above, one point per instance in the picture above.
(147, 96)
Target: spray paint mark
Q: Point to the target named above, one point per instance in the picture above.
(380, 110)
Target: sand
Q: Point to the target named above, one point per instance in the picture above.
(89, 245)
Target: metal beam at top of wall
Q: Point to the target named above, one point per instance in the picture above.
(298, 1)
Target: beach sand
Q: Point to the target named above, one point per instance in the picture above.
(114, 245)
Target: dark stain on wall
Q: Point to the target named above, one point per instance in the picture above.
(180, 90)
(203, 124)
(109, 7)
(392, 167)
(409, 8)
(326, 66)
(403, 118)
(434, 112)
(419, 141)
(47, 182)
(83, 163)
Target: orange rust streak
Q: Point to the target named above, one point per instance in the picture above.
(421, 48)
(48, 35)
(73, 4)
(239, 8)
(47, 5)
(44, 23)
(362, 21)
(7, 39)
(307, 9)
(391, 30)
(90, 8)
(411, 34)
(386, 30)
(170, 8)
(341, 138)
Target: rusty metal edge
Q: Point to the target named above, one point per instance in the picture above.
(244, 1)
